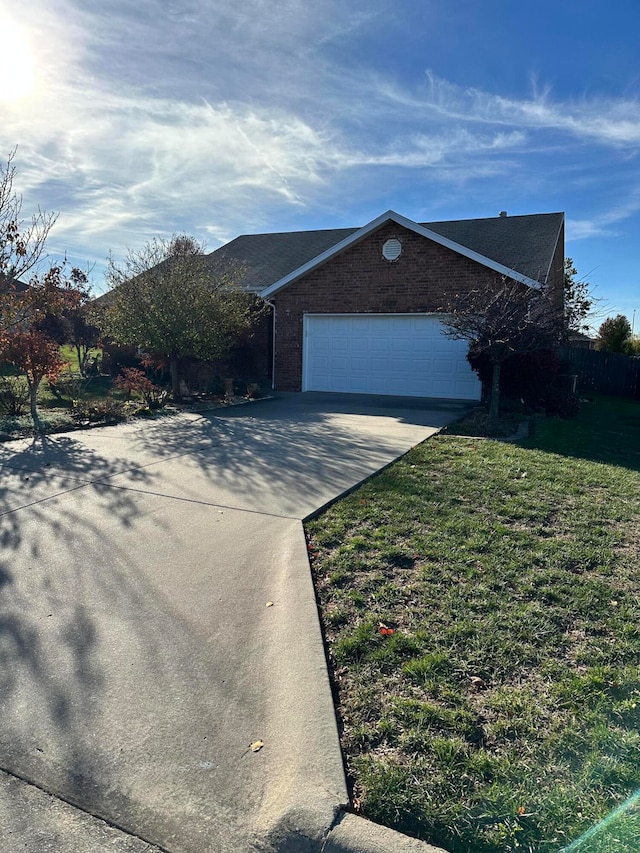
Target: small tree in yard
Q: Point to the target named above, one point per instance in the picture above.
(578, 299)
(165, 299)
(24, 304)
(614, 335)
(502, 320)
(84, 335)
(73, 323)
(36, 356)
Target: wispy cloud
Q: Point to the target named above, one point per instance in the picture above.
(614, 122)
(219, 118)
(127, 160)
(601, 224)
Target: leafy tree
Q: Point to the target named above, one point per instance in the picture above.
(167, 300)
(25, 304)
(73, 324)
(48, 293)
(501, 320)
(634, 345)
(35, 355)
(578, 299)
(22, 343)
(28, 292)
(614, 335)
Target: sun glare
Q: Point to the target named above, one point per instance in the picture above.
(17, 64)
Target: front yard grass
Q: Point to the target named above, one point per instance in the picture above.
(481, 607)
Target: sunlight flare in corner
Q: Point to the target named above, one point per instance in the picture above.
(17, 62)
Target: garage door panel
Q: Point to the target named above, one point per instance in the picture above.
(403, 346)
(321, 364)
(395, 354)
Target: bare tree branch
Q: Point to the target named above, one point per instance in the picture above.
(22, 242)
(501, 319)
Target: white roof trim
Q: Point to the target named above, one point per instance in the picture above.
(409, 224)
(554, 249)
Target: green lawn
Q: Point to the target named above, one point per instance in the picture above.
(503, 712)
(70, 355)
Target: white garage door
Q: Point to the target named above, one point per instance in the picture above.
(398, 354)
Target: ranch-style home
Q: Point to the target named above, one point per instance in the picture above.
(359, 310)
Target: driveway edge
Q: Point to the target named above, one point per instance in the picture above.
(354, 834)
(325, 506)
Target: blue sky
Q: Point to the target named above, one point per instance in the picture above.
(141, 119)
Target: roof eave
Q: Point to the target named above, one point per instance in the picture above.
(555, 246)
(409, 224)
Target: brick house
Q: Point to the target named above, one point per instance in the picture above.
(359, 310)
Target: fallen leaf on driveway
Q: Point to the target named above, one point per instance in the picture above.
(256, 746)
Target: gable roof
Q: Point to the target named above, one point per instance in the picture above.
(266, 258)
(521, 247)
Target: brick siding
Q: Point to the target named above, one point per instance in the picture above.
(424, 279)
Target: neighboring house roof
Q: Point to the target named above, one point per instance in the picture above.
(579, 339)
(12, 284)
(519, 246)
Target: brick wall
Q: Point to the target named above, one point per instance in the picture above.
(425, 278)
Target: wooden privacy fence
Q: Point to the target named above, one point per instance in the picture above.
(606, 372)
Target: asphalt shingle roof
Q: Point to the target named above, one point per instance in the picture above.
(266, 258)
(524, 244)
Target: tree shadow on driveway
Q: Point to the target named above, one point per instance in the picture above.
(133, 640)
(284, 460)
(65, 579)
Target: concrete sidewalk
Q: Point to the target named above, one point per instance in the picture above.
(157, 617)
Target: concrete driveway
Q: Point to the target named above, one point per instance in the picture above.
(157, 617)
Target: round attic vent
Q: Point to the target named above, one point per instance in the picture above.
(392, 249)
